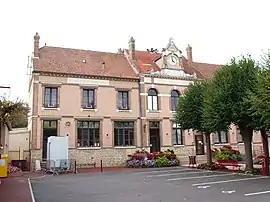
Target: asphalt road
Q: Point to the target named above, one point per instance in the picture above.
(153, 185)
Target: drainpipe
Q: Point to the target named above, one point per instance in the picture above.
(140, 112)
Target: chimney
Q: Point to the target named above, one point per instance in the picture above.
(36, 45)
(131, 44)
(189, 55)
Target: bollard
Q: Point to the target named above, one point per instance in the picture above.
(75, 167)
(101, 167)
(264, 169)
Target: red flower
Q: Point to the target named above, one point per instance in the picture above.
(227, 146)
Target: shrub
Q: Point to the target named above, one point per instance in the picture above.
(161, 161)
(226, 153)
(155, 159)
(213, 166)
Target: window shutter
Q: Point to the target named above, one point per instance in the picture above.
(183, 136)
(58, 96)
(117, 102)
(149, 103)
(95, 98)
(129, 99)
(43, 96)
(158, 102)
(135, 135)
(81, 97)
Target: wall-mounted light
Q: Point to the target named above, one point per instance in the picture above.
(68, 123)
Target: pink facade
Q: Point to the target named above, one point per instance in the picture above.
(112, 104)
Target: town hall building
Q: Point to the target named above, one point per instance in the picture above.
(112, 104)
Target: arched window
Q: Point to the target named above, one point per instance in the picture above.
(174, 99)
(152, 99)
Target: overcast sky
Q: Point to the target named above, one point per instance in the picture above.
(217, 30)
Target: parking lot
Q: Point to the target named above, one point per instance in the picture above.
(153, 185)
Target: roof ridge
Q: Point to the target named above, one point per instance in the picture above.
(207, 63)
(75, 49)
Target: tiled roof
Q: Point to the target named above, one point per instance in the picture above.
(207, 70)
(74, 61)
(146, 60)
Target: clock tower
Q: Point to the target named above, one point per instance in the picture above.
(171, 56)
(172, 61)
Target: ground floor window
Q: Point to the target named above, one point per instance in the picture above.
(238, 135)
(123, 133)
(221, 137)
(177, 134)
(88, 133)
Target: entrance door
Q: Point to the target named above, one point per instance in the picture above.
(154, 136)
(49, 129)
(199, 144)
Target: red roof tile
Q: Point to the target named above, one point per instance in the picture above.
(207, 70)
(65, 60)
(146, 60)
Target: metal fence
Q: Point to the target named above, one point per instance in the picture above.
(54, 167)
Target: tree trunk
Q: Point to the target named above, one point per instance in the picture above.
(247, 134)
(265, 149)
(208, 148)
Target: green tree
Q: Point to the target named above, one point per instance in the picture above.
(259, 100)
(189, 113)
(13, 112)
(225, 100)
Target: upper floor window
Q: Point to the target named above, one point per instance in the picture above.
(123, 100)
(123, 133)
(177, 134)
(88, 99)
(174, 99)
(152, 99)
(88, 133)
(221, 137)
(50, 97)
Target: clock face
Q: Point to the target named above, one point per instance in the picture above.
(173, 60)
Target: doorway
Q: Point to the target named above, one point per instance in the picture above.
(154, 136)
(49, 129)
(199, 144)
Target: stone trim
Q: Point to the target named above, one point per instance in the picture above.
(170, 77)
(50, 117)
(113, 78)
(84, 118)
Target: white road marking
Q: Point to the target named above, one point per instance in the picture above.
(227, 181)
(161, 171)
(182, 173)
(228, 192)
(257, 193)
(31, 191)
(198, 177)
(203, 187)
(36, 178)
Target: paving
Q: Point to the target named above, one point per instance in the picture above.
(153, 185)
